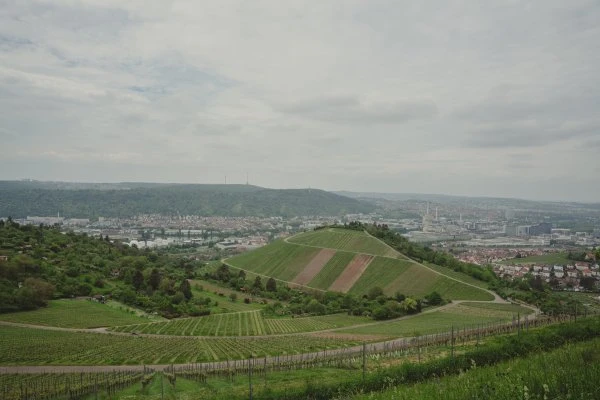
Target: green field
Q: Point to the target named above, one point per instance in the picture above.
(459, 316)
(75, 314)
(24, 346)
(342, 239)
(279, 259)
(242, 324)
(551, 258)
(331, 270)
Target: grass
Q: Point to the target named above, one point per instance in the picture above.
(570, 372)
(550, 258)
(243, 324)
(75, 314)
(279, 259)
(25, 346)
(459, 316)
(341, 239)
(331, 270)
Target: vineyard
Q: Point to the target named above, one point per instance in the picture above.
(75, 314)
(341, 272)
(24, 346)
(331, 270)
(279, 259)
(464, 314)
(348, 240)
(66, 386)
(250, 323)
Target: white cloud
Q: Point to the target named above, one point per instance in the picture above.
(378, 95)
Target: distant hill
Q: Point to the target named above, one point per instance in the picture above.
(19, 199)
(353, 262)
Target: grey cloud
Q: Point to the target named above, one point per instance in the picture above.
(509, 121)
(508, 135)
(348, 109)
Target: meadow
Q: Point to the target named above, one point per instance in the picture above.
(25, 346)
(67, 313)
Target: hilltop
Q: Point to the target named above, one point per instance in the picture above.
(351, 261)
(90, 200)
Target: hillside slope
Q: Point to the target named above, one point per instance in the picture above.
(355, 263)
(20, 199)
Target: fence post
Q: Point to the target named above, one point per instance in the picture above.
(364, 360)
(452, 343)
(250, 375)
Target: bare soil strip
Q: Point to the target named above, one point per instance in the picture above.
(351, 273)
(314, 266)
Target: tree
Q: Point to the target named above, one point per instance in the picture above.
(374, 292)
(223, 273)
(233, 296)
(137, 279)
(257, 283)
(154, 279)
(434, 299)
(186, 289)
(409, 305)
(588, 282)
(271, 285)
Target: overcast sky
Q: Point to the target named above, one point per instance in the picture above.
(491, 98)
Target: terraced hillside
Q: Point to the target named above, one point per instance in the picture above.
(352, 261)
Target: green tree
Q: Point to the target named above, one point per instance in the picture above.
(374, 292)
(271, 285)
(186, 289)
(154, 279)
(137, 279)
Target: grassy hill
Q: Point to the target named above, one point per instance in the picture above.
(20, 199)
(360, 262)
